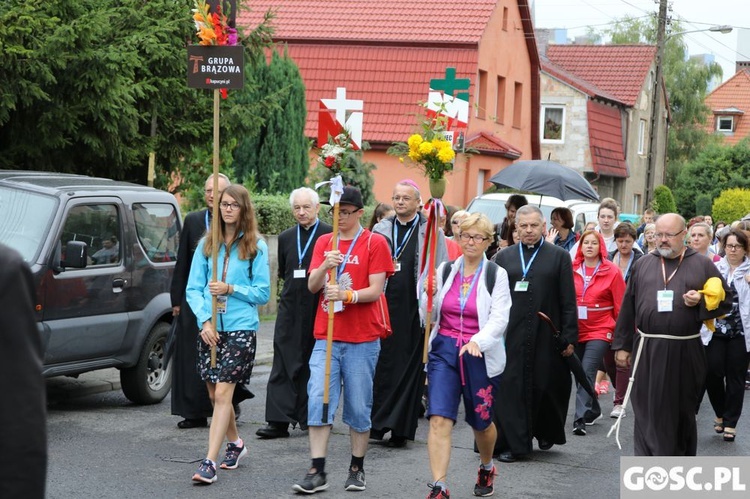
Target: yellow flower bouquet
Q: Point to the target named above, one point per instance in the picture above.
(429, 151)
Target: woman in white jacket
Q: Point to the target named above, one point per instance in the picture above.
(727, 348)
(468, 319)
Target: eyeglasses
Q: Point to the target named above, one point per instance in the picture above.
(229, 206)
(734, 247)
(662, 235)
(477, 238)
(405, 199)
(303, 207)
(346, 214)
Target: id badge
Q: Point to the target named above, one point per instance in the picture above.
(664, 299)
(583, 312)
(299, 273)
(521, 286)
(397, 265)
(338, 306)
(221, 304)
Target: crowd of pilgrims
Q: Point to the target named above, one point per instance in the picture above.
(667, 297)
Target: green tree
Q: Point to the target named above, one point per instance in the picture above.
(717, 168)
(664, 200)
(276, 159)
(732, 204)
(91, 79)
(687, 83)
(355, 173)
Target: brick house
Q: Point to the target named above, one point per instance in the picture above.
(595, 111)
(728, 104)
(387, 53)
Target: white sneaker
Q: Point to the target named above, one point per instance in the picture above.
(617, 411)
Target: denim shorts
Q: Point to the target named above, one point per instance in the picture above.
(446, 386)
(353, 365)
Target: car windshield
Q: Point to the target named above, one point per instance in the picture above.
(25, 219)
(495, 209)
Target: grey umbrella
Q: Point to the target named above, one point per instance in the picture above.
(545, 177)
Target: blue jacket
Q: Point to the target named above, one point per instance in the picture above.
(242, 312)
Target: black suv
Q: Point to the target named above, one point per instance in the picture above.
(102, 253)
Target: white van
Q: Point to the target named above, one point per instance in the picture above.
(493, 205)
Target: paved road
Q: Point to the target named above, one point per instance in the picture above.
(102, 446)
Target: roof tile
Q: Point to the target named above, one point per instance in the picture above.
(390, 93)
(440, 21)
(605, 137)
(620, 70)
(733, 93)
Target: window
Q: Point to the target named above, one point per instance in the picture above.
(157, 230)
(553, 124)
(725, 124)
(500, 102)
(517, 104)
(482, 92)
(482, 176)
(636, 202)
(97, 225)
(642, 137)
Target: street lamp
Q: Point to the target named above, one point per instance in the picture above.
(661, 39)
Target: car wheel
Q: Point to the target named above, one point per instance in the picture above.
(148, 382)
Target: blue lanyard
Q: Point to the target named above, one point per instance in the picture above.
(340, 269)
(300, 252)
(397, 250)
(525, 268)
(585, 282)
(462, 299)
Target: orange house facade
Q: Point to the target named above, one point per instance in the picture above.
(387, 53)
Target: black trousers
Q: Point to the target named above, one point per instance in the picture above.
(725, 379)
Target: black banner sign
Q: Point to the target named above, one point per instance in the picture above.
(216, 66)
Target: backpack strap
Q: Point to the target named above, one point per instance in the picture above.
(490, 275)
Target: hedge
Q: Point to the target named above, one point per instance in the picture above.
(732, 204)
(275, 215)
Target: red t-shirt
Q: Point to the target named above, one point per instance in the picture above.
(357, 322)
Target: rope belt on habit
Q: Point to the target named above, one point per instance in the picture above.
(644, 336)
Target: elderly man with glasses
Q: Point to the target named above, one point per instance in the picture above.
(658, 334)
(400, 376)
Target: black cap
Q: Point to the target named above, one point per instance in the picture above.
(350, 196)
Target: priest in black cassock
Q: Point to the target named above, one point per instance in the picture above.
(293, 341)
(399, 376)
(662, 299)
(23, 411)
(532, 399)
(189, 394)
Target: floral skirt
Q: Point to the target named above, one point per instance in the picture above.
(235, 357)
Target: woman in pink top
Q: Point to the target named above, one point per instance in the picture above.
(469, 319)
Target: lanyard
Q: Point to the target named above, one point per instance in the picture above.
(397, 250)
(586, 283)
(207, 224)
(226, 263)
(525, 268)
(302, 252)
(463, 298)
(664, 270)
(341, 267)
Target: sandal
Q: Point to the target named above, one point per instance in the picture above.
(729, 434)
(719, 425)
